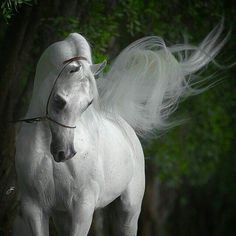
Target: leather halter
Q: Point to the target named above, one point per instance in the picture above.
(47, 117)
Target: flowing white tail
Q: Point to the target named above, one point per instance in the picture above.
(147, 80)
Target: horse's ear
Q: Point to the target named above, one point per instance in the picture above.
(97, 68)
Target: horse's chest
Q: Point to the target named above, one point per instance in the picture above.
(74, 177)
(53, 185)
(35, 179)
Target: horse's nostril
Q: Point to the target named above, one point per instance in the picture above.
(73, 153)
(61, 156)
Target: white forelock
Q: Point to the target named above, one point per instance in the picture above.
(53, 57)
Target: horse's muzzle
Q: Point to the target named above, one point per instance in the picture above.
(60, 156)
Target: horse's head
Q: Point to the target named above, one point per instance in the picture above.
(71, 96)
(73, 91)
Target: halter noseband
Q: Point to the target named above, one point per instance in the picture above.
(47, 117)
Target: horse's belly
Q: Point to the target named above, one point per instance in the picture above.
(115, 183)
(118, 164)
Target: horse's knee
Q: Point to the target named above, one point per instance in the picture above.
(129, 224)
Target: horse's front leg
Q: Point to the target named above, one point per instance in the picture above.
(34, 218)
(131, 201)
(82, 215)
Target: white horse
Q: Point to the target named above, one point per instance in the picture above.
(85, 152)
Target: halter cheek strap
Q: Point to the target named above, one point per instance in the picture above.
(47, 116)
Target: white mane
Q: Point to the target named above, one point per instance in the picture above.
(146, 81)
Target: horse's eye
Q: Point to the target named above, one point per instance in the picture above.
(59, 102)
(74, 68)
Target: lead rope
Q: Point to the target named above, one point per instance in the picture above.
(47, 117)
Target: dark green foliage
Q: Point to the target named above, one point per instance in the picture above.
(9, 7)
